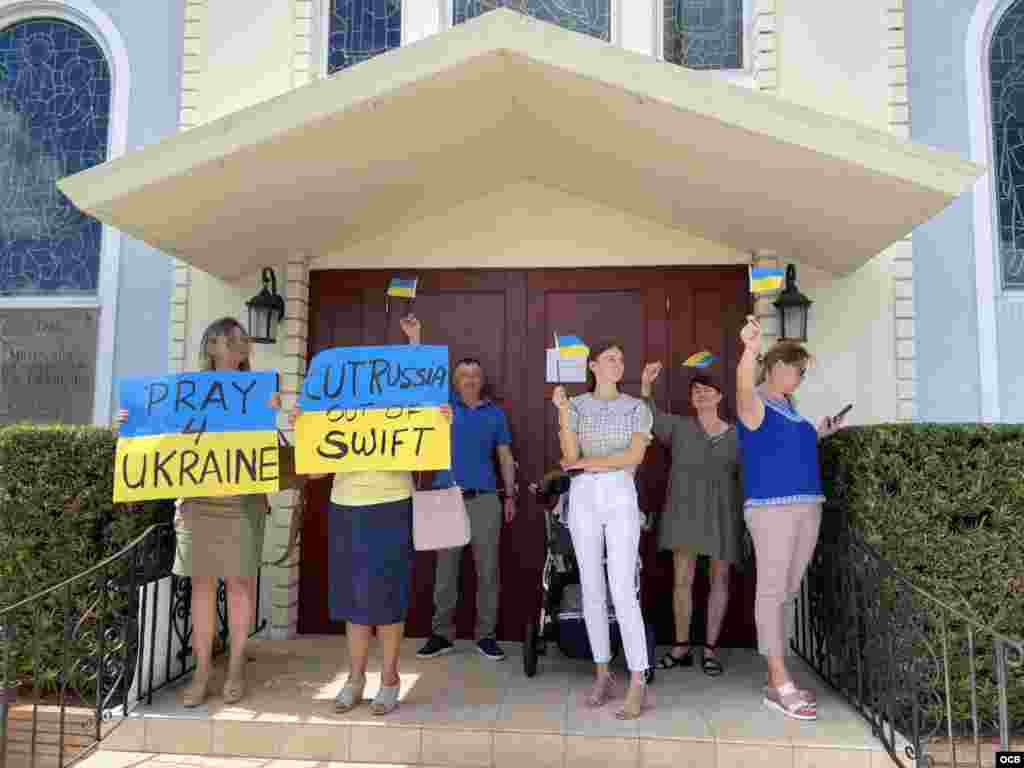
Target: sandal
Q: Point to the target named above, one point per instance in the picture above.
(789, 702)
(668, 661)
(711, 665)
(195, 693)
(386, 700)
(601, 692)
(234, 690)
(633, 712)
(806, 693)
(350, 696)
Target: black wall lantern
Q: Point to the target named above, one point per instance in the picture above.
(792, 306)
(266, 310)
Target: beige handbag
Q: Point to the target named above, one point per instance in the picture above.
(439, 519)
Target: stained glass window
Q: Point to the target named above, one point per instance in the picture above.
(704, 34)
(360, 29)
(54, 112)
(1007, 72)
(591, 17)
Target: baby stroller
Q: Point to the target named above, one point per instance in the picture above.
(561, 613)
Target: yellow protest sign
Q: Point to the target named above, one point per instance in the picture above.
(177, 466)
(367, 439)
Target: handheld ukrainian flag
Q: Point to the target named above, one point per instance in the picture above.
(700, 360)
(403, 288)
(766, 279)
(571, 346)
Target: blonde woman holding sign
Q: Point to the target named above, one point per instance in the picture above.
(370, 555)
(221, 537)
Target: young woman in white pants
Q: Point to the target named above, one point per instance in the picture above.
(605, 434)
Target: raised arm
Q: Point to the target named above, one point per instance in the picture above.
(664, 423)
(749, 407)
(567, 438)
(412, 329)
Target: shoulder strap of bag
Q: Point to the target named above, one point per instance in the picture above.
(294, 525)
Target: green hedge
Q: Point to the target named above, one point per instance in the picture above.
(945, 505)
(57, 520)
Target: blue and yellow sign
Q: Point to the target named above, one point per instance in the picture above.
(374, 409)
(197, 434)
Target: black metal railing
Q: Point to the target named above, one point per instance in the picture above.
(89, 649)
(935, 683)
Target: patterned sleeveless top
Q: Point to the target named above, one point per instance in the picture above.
(780, 458)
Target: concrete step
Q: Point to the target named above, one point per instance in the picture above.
(463, 711)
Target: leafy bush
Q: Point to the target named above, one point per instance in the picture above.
(945, 505)
(56, 521)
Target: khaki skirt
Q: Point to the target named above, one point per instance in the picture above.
(220, 537)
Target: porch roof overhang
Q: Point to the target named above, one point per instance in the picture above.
(505, 98)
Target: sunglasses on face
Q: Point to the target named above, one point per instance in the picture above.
(801, 370)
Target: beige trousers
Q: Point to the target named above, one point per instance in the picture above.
(784, 540)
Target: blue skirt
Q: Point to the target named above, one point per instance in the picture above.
(369, 562)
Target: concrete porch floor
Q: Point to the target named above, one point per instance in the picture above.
(465, 710)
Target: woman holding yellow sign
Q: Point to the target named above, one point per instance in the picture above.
(370, 555)
(221, 537)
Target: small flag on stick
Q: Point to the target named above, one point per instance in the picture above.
(402, 288)
(571, 346)
(766, 279)
(700, 360)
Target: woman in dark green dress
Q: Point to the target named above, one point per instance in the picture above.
(703, 512)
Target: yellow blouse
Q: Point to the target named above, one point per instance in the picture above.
(361, 489)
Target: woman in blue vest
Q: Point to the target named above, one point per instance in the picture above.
(783, 497)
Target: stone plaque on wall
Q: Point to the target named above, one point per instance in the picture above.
(47, 365)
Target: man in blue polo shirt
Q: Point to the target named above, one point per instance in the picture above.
(479, 431)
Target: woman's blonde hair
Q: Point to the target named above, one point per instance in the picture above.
(789, 352)
(222, 327)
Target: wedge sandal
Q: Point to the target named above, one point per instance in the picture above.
(669, 661)
(386, 700)
(789, 702)
(350, 696)
(711, 664)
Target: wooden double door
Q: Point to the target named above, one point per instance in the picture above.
(506, 319)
